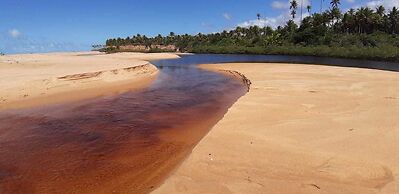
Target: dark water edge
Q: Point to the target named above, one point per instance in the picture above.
(312, 60)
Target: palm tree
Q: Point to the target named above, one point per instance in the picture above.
(301, 9)
(364, 19)
(335, 15)
(293, 7)
(258, 16)
(291, 26)
(348, 21)
(309, 8)
(335, 3)
(380, 10)
(394, 19)
(239, 31)
(379, 19)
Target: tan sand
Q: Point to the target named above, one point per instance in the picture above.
(300, 129)
(35, 79)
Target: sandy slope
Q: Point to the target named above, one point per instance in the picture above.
(300, 129)
(33, 79)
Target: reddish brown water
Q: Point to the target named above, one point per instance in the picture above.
(125, 144)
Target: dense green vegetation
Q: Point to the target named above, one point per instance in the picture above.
(362, 33)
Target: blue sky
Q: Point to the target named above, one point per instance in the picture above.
(66, 25)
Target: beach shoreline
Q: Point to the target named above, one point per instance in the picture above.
(41, 79)
(300, 129)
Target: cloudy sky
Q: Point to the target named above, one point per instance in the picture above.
(57, 25)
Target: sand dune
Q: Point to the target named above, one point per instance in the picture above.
(35, 79)
(300, 129)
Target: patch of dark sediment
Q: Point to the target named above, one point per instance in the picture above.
(247, 82)
(140, 69)
(231, 73)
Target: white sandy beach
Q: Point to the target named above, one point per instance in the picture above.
(37, 79)
(300, 129)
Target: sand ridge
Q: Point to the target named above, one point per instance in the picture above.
(300, 129)
(36, 79)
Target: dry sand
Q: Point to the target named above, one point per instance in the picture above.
(36, 79)
(300, 129)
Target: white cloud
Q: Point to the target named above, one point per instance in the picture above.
(273, 22)
(227, 16)
(280, 5)
(25, 44)
(14, 33)
(386, 3)
(282, 19)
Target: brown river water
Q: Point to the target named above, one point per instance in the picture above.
(126, 143)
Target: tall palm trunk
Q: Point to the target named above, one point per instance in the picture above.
(321, 6)
(301, 9)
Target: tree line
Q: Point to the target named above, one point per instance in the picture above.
(358, 33)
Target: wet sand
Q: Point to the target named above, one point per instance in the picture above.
(300, 129)
(38, 79)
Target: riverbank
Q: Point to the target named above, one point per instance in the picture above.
(38, 79)
(383, 53)
(300, 129)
